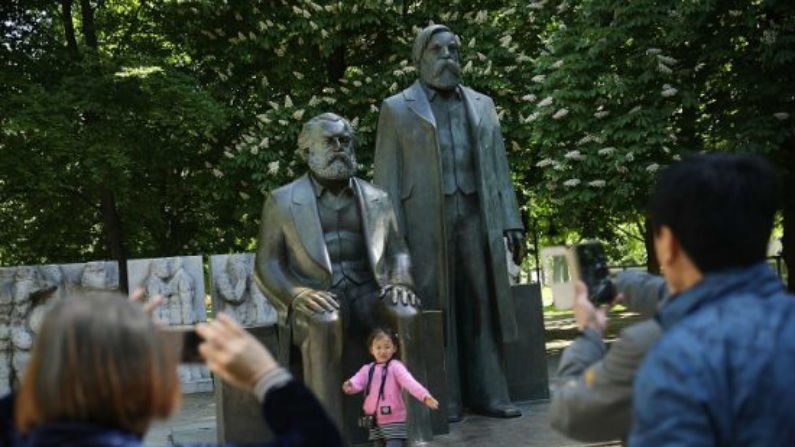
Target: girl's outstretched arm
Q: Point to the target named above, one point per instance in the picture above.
(358, 381)
(407, 381)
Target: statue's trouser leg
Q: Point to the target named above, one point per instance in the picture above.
(480, 369)
(319, 337)
(407, 322)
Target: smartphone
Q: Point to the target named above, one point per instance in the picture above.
(183, 342)
(593, 271)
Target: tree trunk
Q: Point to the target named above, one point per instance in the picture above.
(651, 257)
(69, 28)
(114, 234)
(89, 28)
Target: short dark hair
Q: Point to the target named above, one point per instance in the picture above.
(98, 359)
(719, 206)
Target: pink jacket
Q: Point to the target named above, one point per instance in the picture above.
(397, 377)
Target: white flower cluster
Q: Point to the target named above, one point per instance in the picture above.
(273, 167)
(597, 183)
(538, 78)
(574, 155)
(652, 168)
(560, 114)
(529, 98)
(545, 102)
(572, 182)
(606, 151)
(781, 116)
(546, 162)
(668, 91)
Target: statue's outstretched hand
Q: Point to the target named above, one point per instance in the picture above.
(397, 294)
(316, 302)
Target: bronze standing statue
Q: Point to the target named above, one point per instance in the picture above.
(441, 157)
(333, 263)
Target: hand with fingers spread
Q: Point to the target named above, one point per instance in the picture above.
(397, 294)
(139, 296)
(316, 302)
(234, 354)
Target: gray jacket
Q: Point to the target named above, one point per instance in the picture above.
(594, 400)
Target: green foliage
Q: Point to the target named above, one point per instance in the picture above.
(187, 111)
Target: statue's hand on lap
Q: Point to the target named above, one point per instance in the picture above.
(316, 302)
(399, 295)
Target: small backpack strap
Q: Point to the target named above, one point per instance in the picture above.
(383, 381)
(369, 379)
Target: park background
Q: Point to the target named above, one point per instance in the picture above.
(152, 128)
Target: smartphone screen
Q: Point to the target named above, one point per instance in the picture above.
(184, 342)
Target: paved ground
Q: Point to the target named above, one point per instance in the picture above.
(195, 423)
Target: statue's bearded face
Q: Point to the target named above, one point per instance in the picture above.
(439, 66)
(330, 155)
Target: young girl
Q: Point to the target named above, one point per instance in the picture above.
(382, 382)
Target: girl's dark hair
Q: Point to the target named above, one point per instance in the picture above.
(381, 332)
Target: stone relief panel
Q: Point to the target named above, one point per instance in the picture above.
(26, 293)
(180, 281)
(234, 291)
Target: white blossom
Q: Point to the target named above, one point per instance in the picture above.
(274, 105)
(471, 43)
(298, 114)
(545, 162)
(355, 122)
(664, 69)
(263, 118)
(243, 195)
(357, 83)
(229, 154)
(288, 102)
(505, 40)
(597, 183)
(545, 102)
(283, 123)
(373, 108)
(538, 78)
(622, 169)
(481, 56)
(586, 139)
(468, 67)
(532, 117)
(313, 101)
(217, 172)
(781, 116)
(635, 110)
(668, 92)
(572, 182)
(537, 4)
(699, 66)
(551, 186)
(652, 167)
(557, 64)
(677, 157)
(667, 60)
(630, 157)
(653, 52)
(482, 16)
(561, 113)
(574, 155)
(606, 150)
(252, 36)
(265, 142)
(393, 87)
(273, 167)
(298, 75)
(601, 114)
(529, 97)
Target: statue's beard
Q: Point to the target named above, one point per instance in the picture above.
(335, 166)
(444, 74)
